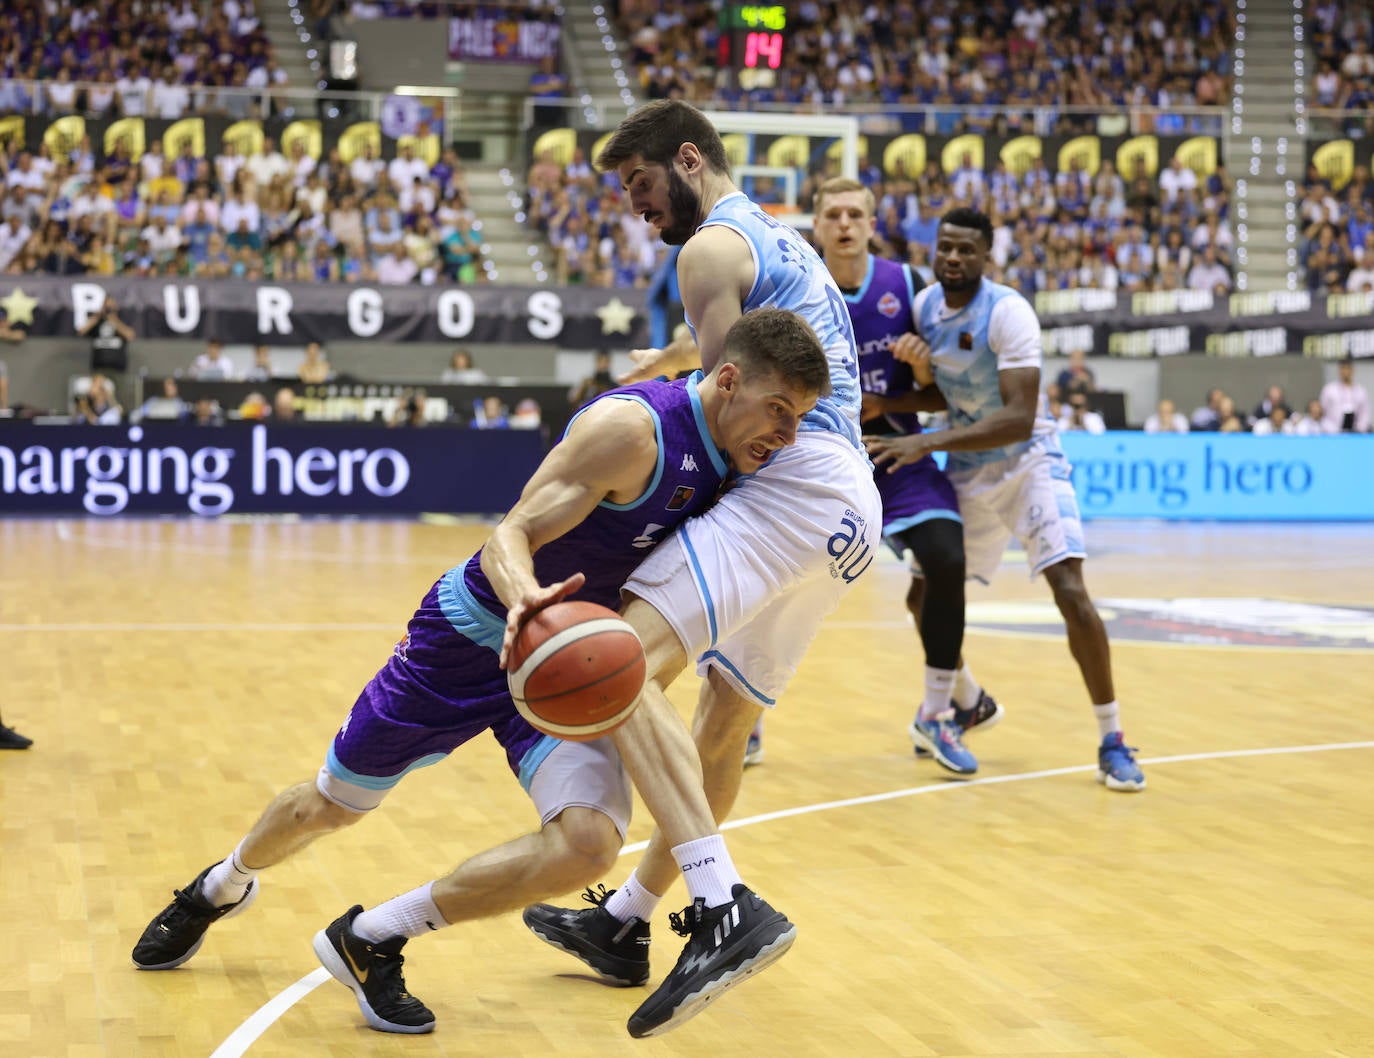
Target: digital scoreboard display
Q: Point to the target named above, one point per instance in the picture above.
(753, 41)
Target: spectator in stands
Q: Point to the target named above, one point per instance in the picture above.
(110, 337)
(207, 412)
(284, 405)
(598, 382)
(165, 406)
(1276, 422)
(315, 367)
(213, 365)
(461, 370)
(1227, 418)
(1166, 419)
(97, 405)
(1208, 273)
(1310, 424)
(261, 369)
(1078, 416)
(1207, 418)
(268, 164)
(411, 410)
(1273, 398)
(1345, 403)
(405, 169)
(490, 414)
(527, 415)
(1077, 377)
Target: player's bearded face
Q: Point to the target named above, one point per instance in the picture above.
(684, 210)
(959, 259)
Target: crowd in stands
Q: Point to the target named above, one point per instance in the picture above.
(155, 58)
(1342, 406)
(264, 217)
(1336, 246)
(1342, 38)
(951, 52)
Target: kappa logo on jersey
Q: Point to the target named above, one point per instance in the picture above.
(682, 495)
(889, 304)
(689, 462)
(646, 538)
(1198, 622)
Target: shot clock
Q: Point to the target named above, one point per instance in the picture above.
(753, 42)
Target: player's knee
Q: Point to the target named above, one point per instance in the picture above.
(589, 843)
(314, 812)
(944, 572)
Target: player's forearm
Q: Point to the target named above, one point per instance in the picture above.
(681, 354)
(1002, 427)
(508, 562)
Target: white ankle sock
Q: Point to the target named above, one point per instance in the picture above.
(632, 901)
(228, 880)
(966, 689)
(411, 914)
(939, 687)
(708, 869)
(1108, 718)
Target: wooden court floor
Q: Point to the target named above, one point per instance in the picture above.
(176, 674)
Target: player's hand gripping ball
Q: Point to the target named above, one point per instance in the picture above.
(576, 670)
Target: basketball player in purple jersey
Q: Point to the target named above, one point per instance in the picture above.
(632, 465)
(920, 509)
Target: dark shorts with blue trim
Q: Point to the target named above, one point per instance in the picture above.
(913, 494)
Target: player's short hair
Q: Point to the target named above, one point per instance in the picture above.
(967, 217)
(839, 185)
(776, 341)
(656, 130)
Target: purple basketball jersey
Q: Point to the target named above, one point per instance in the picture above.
(881, 313)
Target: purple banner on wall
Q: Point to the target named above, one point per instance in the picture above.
(259, 469)
(497, 35)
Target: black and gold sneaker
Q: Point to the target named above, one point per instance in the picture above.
(373, 971)
(178, 931)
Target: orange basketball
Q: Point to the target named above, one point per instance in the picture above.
(576, 670)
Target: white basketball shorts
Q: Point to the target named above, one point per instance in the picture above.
(746, 585)
(1031, 497)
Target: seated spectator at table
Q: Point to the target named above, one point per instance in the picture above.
(207, 412)
(213, 365)
(1273, 398)
(165, 406)
(1077, 377)
(1276, 422)
(1229, 421)
(315, 367)
(490, 414)
(284, 405)
(261, 369)
(1310, 423)
(97, 405)
(462, 371)
(1078, 416)
(1207, 418)
(1166, 419)
(1345, 403)
(527, 415)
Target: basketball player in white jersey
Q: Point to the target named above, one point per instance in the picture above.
(980, 345)
(746, 585)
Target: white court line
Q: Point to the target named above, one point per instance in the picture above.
(262, 1019)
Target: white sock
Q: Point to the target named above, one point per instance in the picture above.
(1108, 718)
(708, 870)
(966, 689)
(228, 880)
(632, 901)
(411, 914)
(939, 687)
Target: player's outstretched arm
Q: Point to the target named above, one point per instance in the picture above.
(609, 452)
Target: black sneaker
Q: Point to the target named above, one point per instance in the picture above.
(179, 929)
(373, 971)
(984, 714)
(617, 951)
(725, 945)
(12, 739)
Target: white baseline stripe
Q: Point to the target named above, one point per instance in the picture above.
(261, 1019)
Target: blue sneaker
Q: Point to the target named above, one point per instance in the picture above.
(1116, 766)
(940, 738)
(753, 752)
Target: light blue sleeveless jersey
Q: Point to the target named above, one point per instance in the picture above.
(966, 370)
(789, 274)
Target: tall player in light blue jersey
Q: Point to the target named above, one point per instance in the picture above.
(981, 340)
(746, 585)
